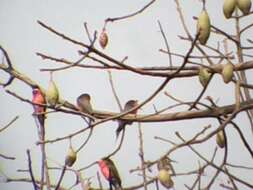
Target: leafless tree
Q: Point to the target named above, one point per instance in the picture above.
(201, 60)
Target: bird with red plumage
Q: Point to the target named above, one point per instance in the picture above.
(39, 98)
(110, 172)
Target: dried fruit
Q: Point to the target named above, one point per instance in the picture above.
(203, 27)
(227, 72)
(220, 139)
(103, 39)
(165, 178)
(229, 7)
(71, 157)
(204, 76)
(244, 6)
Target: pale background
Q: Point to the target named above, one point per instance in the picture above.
(139, 39)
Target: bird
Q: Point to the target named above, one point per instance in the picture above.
(121, 123)
(166, 163)
(39, 111)
(164, 167)
(84, 104)
(110, 172)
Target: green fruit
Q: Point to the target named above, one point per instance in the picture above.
(229, 7)
(244, 6)
(203, 27)
(220, 139)
(52, 93)
(227, 72)
(204, 76)
(165, 178)
(71, 157)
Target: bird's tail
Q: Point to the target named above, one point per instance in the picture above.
(41, 119)
(118, 187)
(121, 126)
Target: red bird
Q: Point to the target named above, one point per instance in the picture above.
(38, 98)
(110, 173)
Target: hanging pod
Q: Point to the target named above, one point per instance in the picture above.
(204, 76)
(220, 139)
(203, 27)
(229, 7)
(103, 39)
(52, 93)
(70, 157)
(244, 6)
(227, 72)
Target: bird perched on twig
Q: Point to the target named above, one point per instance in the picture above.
(39, 98)
(84, 104)
(121, 123)
(110, 173)
(164, 167)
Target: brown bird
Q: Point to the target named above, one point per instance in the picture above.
(121, 123)
(84, 104)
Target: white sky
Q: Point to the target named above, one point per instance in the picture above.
(139, 39)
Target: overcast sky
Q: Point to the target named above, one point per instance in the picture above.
(139, 39)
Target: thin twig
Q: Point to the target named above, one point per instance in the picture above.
(30, 170)
(9, 124)
(141, 154)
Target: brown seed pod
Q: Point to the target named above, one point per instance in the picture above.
(103, 39)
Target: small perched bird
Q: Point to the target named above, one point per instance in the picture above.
(164, 167)
(83, 103)
(121, 124)
(110, 173)
(38, 98)
(166, 163)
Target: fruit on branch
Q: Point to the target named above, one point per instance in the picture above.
(84, 103)
(220, 139)
(70, 158)
(110, 172)
(204, 76)
(244, 6)
(229, 7)
(164, 178)
(203, 27)
(121, 124)
(103, 38)
(38, 98)
(52, 93)
(227, 72)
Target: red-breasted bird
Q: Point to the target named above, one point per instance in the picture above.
(121, 124)
(84, 104)
(39, 98)
(110, 173)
